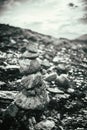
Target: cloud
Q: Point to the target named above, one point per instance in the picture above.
(5, 4)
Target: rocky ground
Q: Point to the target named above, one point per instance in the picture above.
(43, 81)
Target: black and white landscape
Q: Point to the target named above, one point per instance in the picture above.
(43, 65)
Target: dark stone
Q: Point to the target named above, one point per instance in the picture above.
(63, 82)
(11, 110)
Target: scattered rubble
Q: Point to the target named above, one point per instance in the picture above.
(43, 81)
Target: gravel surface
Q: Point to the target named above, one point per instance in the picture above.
(43, 81)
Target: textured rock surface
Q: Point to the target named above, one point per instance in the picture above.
(49, 76)
(35, 98)
(29, 55)
(45, 125)
(9, 95)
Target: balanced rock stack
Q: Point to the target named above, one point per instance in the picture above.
(34, 95)
(28, 61)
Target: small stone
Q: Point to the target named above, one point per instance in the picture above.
(58, 97)
(33, 120)
(13, 41)
(45, 64)
(55, 59)
(11, 110)
(24, 65)
(51, 77)
(39, 60)
(25, 40)
(45, 125)
(55, 90)
(41, 46)
(2, 83)
(70, 90)
(62, 81)
(80, 128)
(32, 48)
(51, 69)
(58, 59)
(27, 81)
(2, 56)
(34, 66)
(61, 68)
(29, 67)
(30, 55)
(30, 122)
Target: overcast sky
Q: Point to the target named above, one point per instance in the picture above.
(6, 4)
(53, 17)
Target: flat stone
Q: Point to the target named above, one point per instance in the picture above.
(55, 90)
(32, 48)
(12, 67)
(37, 98)
(51, 77)
(58, 97)
(8, 95)
(30, 55)
(45, 125)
